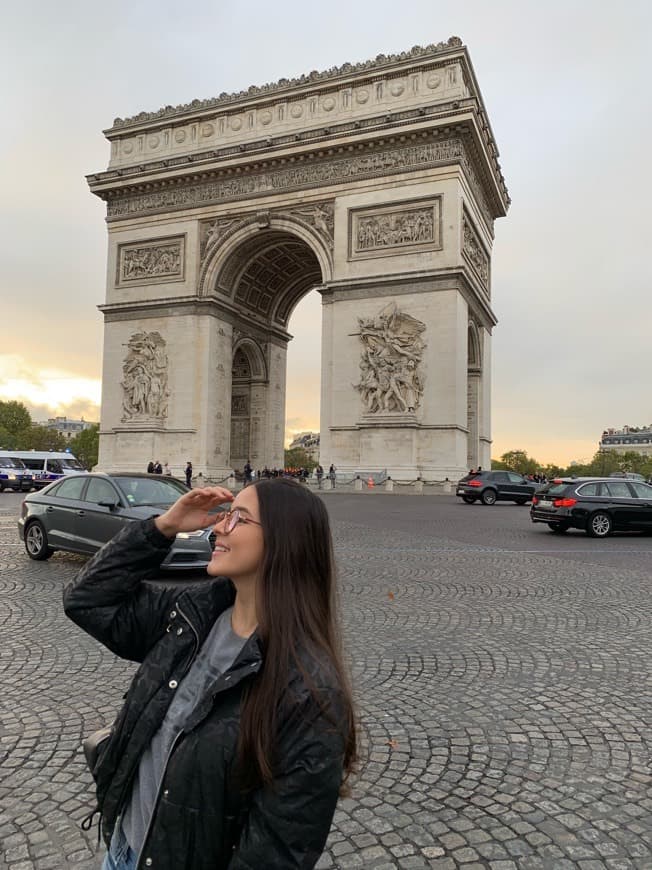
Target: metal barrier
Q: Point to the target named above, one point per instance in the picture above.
(357, 482)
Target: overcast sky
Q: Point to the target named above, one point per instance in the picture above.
(566, 86)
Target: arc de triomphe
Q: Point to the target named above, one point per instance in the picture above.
(377, 184)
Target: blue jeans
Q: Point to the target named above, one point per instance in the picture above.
(119, 856)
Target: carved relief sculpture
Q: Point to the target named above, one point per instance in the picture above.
(211, 231)
(395, 229)
(474, 251)
(381, 162)
(390, 379)
(144, 371)
(320, 215)
(147, 261)
(240, 405)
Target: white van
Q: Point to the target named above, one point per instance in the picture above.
(46, 465)
(14, 475)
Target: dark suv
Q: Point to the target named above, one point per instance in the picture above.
(492, 486)
(598, 506)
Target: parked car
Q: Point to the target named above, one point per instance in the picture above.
(492, 486)
(81, 513)
(14, 475)
(630, 475)
(598, 506)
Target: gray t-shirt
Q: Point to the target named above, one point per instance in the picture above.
(218, 652)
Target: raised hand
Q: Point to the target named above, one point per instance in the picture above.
(192, 510)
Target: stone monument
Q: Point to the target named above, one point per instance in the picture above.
(377, 184)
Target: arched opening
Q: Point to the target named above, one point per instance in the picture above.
(303, 393)
(264, 277)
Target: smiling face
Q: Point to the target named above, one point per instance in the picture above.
(239, 554)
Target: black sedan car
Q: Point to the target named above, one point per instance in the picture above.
(81, 513)
(598, 506)
(492, 486)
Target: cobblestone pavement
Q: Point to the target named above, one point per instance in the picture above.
(502, 675)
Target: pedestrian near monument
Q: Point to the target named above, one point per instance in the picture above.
(158, 468)
(319, 473)
(166, 470)
(150, 466)
(331, 475)
(237, 733)
(189, 473)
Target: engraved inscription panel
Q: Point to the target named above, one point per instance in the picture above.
(400, 228)
(157, 260)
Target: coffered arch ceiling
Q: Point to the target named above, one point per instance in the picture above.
(269, 273)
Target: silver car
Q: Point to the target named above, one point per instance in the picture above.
(81, 513)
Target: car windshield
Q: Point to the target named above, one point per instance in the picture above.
(6, 462)
(72, 463)
(141, 491)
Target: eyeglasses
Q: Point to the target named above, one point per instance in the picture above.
(232, 518)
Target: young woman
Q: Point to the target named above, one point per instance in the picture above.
(237, 731)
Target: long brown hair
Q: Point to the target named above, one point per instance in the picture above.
(297, 603)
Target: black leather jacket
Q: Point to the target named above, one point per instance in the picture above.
(200, 820)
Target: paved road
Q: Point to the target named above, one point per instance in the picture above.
(502, 675)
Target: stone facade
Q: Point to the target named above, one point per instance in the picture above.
(376, 184)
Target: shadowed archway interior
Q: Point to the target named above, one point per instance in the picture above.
(264, 278)
(269, 273)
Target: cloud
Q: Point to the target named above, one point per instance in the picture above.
(48, 392)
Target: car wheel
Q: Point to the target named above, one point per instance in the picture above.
(558, 528)
(468, 499)
(521, 500)
(599, 525)
(36, 542)
(489, 496)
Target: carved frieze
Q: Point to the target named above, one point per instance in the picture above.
(390, 366)
(151, 261)
(398, 228)
(474, 251)
(145, 378)
(382, 162)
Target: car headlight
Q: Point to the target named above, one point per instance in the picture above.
(197, 534)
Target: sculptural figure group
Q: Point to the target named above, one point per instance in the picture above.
(390, 381)
(145, 376)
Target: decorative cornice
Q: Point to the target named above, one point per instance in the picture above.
(378, 63)
(441, 112)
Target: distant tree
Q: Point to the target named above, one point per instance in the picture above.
(518, 460)
(41, 438)
(86, 445)
(15, 422)
(297, 457)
